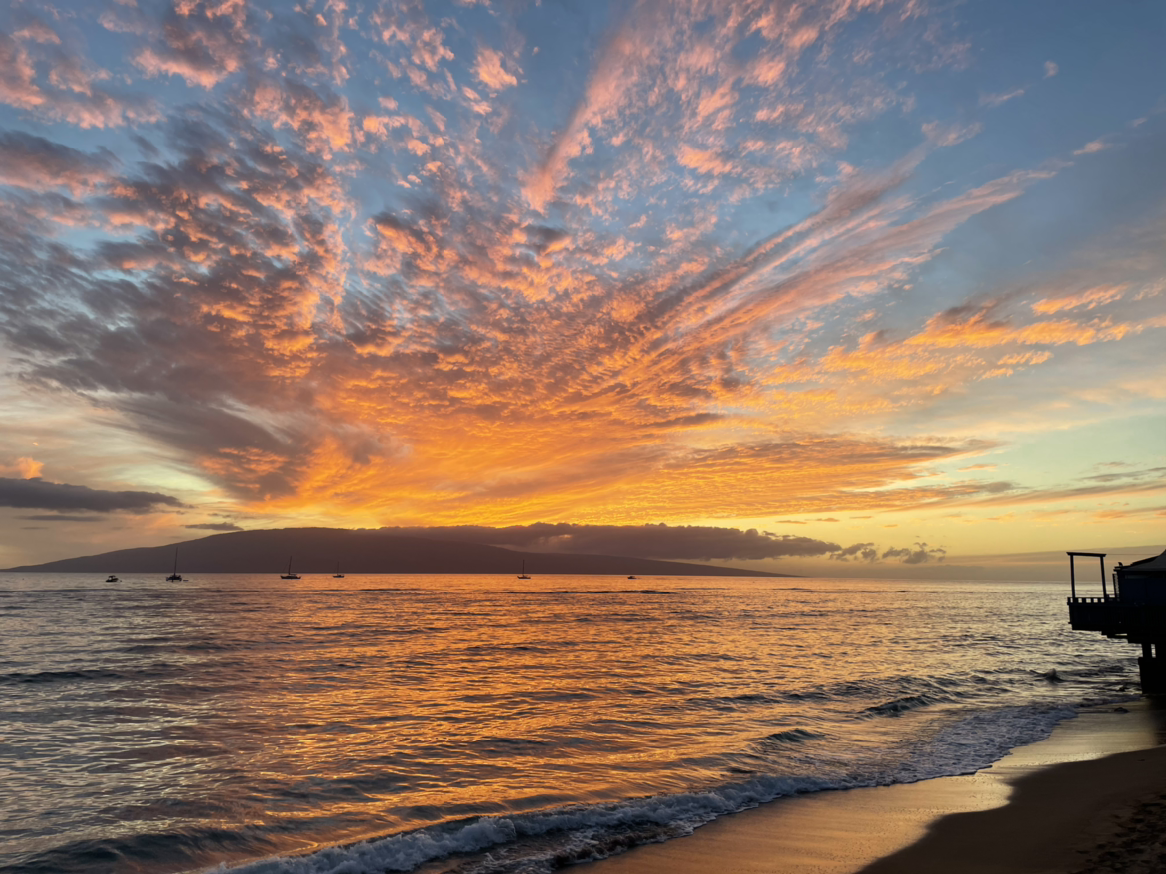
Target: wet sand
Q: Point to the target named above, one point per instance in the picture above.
(1069, 817)
(1091, 798)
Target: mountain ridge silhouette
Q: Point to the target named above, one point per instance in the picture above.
(362, 551)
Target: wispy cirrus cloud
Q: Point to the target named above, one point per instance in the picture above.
(1092, 148)
(994, 100)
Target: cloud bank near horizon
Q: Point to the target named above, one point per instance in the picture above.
(659, 541)
(676, 542)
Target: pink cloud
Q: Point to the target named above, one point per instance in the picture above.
(491, 72)
(1092, 148)
(704, 161)
(324, 121)
(36, 30)
(35, 163)
(202, 44)
(72, 95)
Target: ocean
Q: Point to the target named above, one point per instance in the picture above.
(481, 724)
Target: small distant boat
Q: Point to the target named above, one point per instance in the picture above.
(523, 575)
(175, 577)
(632, 577)
(336, 575)
(289, 575)
(112, 578)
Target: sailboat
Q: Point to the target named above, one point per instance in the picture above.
(523, 575)
(289, 575)
(175, 576)
(336, 575)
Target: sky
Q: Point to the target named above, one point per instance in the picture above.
(848, 287)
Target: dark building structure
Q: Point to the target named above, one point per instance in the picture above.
(1135, 609)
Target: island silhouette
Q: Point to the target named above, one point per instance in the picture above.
(317, 551)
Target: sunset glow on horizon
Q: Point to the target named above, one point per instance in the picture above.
(886, 276)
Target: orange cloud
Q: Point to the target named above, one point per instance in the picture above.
(1088, 299)
(961, 343)
(25, 468)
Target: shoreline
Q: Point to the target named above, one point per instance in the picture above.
(1093, 793)
(1070, 817)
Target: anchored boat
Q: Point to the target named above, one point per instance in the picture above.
(175, 577)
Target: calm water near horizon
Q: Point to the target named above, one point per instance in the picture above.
(487, 724)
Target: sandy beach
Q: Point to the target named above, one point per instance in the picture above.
(1091, 798)
(1107, 814)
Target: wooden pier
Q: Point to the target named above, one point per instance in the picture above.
(1135, 609)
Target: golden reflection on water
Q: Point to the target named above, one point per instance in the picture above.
(513, 697)
(320, 711)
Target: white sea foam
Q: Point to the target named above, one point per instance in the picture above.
(968, 743)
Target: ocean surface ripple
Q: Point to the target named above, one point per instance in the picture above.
(479, 725)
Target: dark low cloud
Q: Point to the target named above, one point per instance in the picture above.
(998, 487)
(678, 542)
(29, 161)
(921, 553)
(857, 552)
(215, 526)
(61, 517)
(38, 494)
